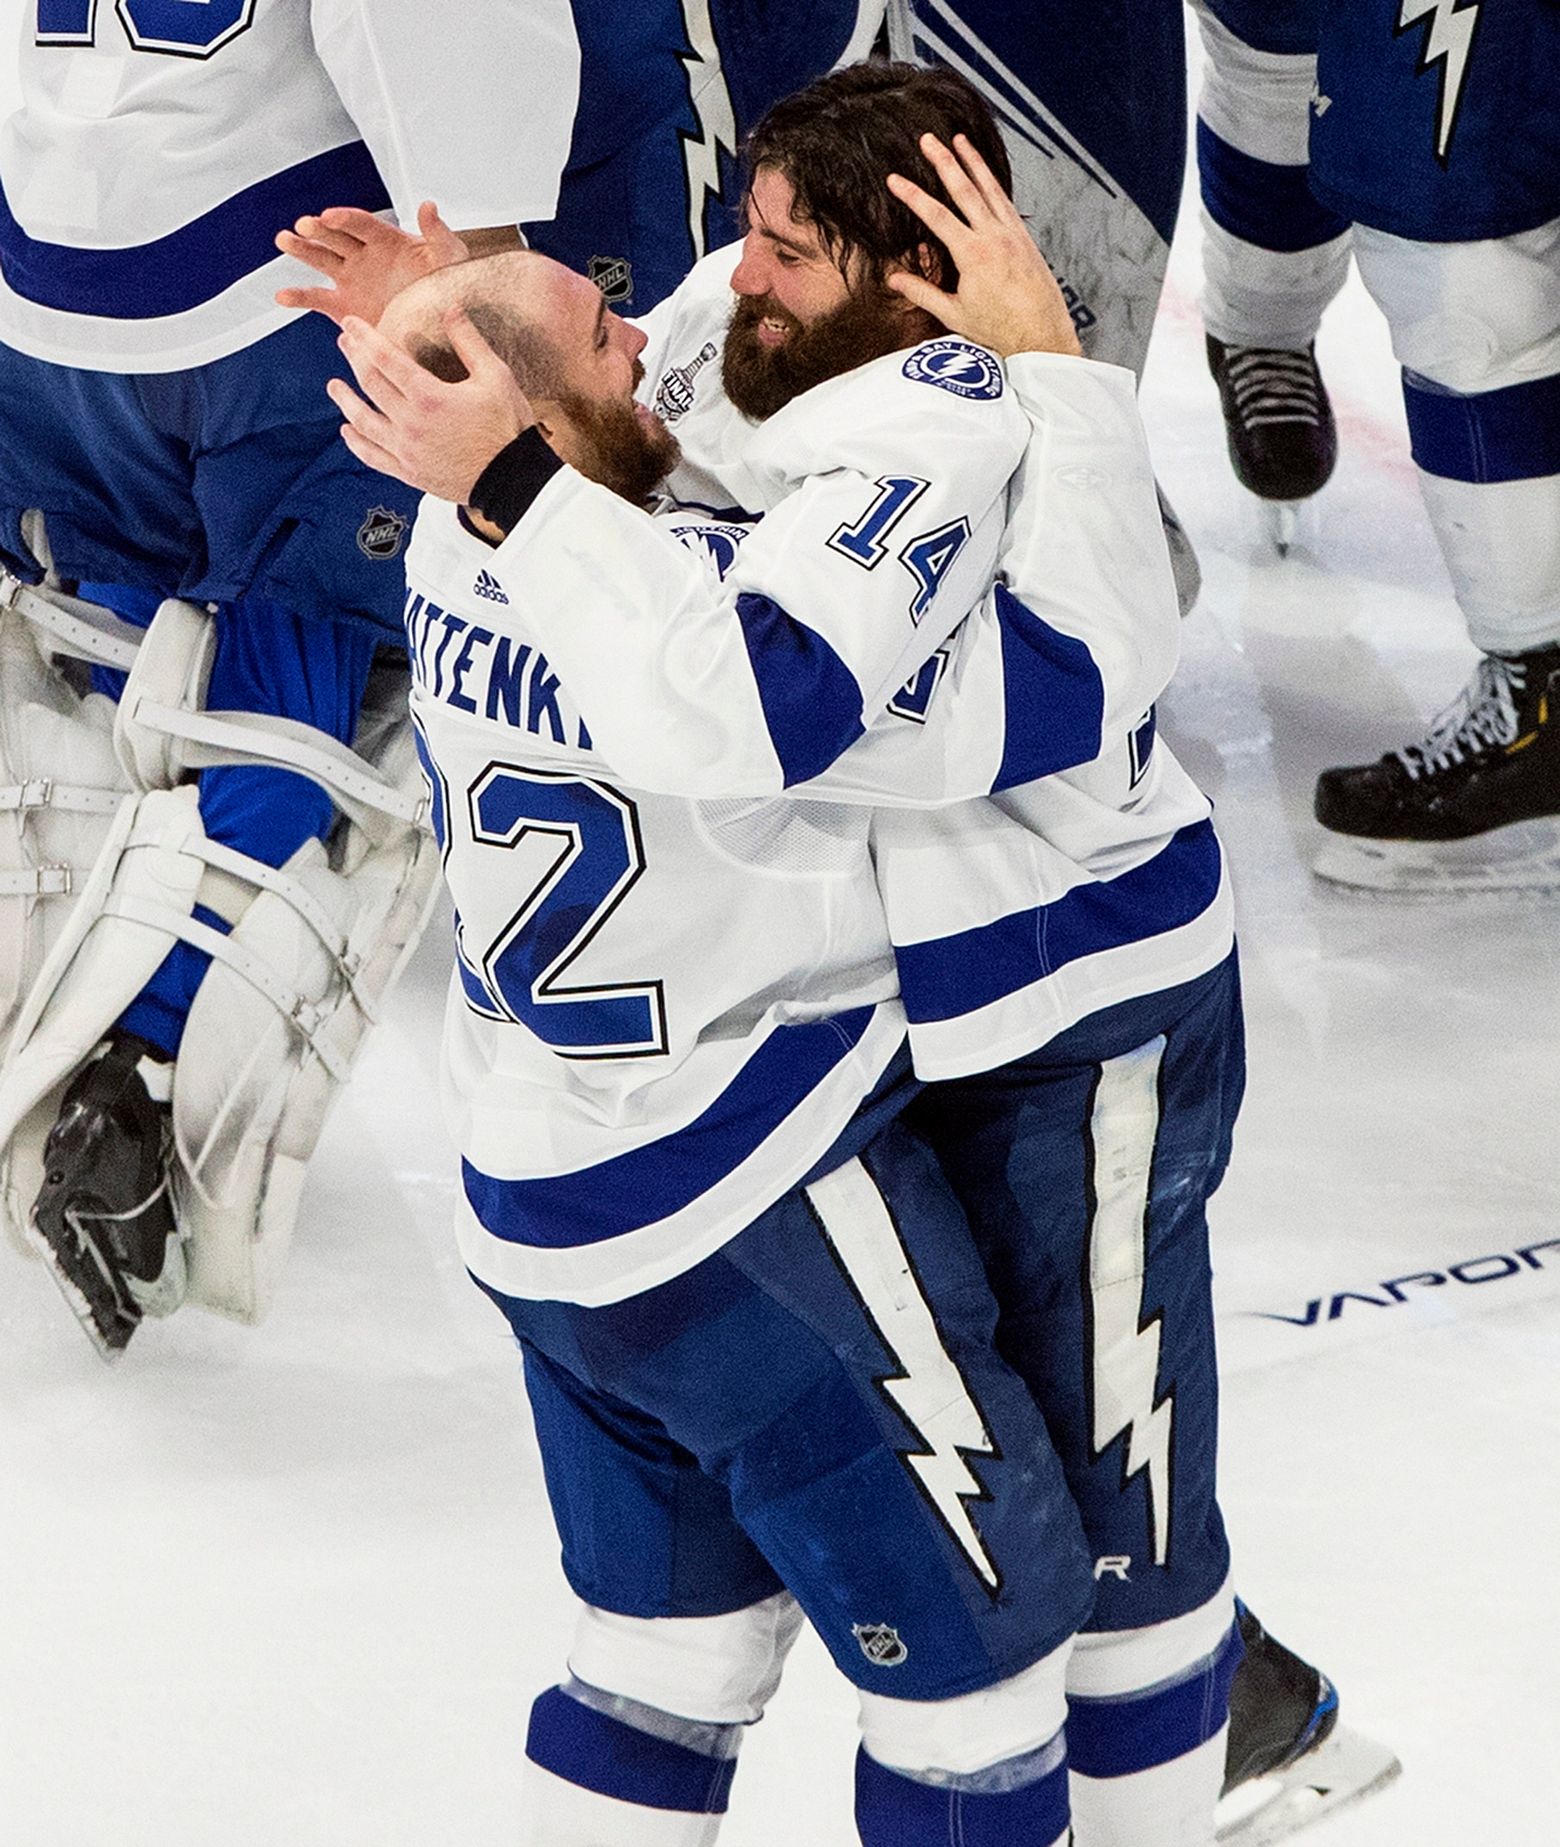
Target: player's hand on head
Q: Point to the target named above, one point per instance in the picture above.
(365, 260)
(432, 435)
(1006, 299)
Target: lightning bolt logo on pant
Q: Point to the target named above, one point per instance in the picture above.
(928, 1390)
(1124, 1347)
(1449, 43)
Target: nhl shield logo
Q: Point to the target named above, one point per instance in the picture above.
(880, 1644)
(381, 533)
(614, 276)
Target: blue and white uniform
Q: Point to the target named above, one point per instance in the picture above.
(161, 411)
(1113, 996)
(1438, 130)
(1274, 256)
(673, 1063)
(668, 90)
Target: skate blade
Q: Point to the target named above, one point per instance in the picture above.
(1344, 1769)
(1280, 521)
(1522, 857)
(92, 1298)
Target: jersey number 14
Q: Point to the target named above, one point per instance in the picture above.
(171, 26)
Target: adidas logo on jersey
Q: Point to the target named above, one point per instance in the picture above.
(488, 585)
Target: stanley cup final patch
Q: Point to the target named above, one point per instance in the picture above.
(381, 533)
(880, 1644)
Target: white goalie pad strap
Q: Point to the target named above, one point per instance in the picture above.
(255, 1078)
(85, 631)
(60, 788)
(213, 739)
(69, 798)
(164, 731)
(307, 1018)
(93, 971)
(40, 882)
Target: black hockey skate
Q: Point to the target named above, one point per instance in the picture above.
(1488, 773)
(104, 1217)
(1287, 1763)
(1278, 422)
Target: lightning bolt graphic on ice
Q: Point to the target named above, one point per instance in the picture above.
(1125, 1348)
(928, 1389)
(710, 95)
(1448, 42)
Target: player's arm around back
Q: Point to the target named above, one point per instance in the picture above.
(889, 491)
(470, 105)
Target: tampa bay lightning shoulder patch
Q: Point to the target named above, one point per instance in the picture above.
(954, 365)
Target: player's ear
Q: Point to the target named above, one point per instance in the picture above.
(926, 260)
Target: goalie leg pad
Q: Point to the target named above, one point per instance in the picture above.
(60, 788)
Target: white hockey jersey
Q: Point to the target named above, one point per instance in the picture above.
(162, 144)
(664, 1011)
(1093, 874)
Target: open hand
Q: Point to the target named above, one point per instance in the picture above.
(365, 259)
(431, 435)
(1007, 298)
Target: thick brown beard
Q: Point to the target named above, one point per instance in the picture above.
(622, 454)
(761, 379)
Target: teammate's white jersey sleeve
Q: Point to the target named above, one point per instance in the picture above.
(1065, 658)
(888, 495)
(470, 105)
(161, 144)
(664, 1012)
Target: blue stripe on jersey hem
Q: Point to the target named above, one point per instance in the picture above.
(892, 1809)
(1052, 693)
(565, 1211)
(948, 976)
(189, 266)
(812, 704)
(1486, 436)
(595, 1751)
(1136, 1732)
(1260, 201)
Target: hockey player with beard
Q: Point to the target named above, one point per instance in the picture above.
(710, 735)
(163, 445)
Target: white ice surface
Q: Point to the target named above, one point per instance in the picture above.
(296, 1586)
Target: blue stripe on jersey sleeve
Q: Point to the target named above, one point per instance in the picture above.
(595, 1751)
(1053, 697)
(1259, 201)
(948, 976)
(1485, 436)
(189, 266)
(592, 1204)
(812, 704)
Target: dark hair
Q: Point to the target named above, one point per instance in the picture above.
(839, 139)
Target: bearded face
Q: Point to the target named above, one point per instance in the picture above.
(771, 356)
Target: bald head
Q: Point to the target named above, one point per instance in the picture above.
(518, 300)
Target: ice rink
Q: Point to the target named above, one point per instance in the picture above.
(296, 1586)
